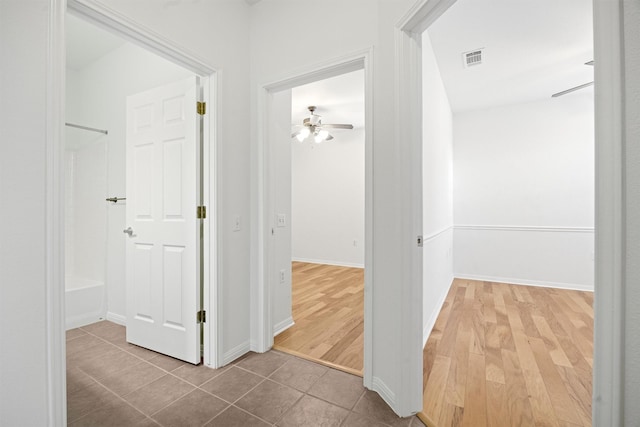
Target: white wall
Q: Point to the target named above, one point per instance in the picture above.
(280, 129)
(85, 207)
(524, 192)
(631, 370)
(105, 84)
(327, 193)
(437, 189)
(24, 357)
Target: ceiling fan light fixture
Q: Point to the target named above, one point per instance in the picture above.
(303, 134)
(313, 125)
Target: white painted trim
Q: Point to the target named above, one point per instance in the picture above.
(278, 328)
(236, 352)
(430, 323)
(369, 290)
(212, 252)
(525, 282)
(437, 234)
(263, 339)
(526, 228)
(384, 391)
(608, 362)
(117, 318)
(408, 163)
(109, 19)
(328, 262)
(55, 356)
(422, 14)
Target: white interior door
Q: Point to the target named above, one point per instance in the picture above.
(163, 245)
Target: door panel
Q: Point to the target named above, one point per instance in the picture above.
(163, 249)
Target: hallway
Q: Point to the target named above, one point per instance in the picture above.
(113, 383)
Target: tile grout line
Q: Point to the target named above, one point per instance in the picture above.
(112, 392)
(227, 368)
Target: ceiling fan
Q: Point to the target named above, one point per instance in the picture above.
(573, 89)
(313, 125)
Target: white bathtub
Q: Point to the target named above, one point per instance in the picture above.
(84, 301)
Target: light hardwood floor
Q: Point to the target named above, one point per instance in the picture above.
(507, 355)
(328, 311)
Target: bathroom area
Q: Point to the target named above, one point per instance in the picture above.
(85, 166)
(102, 70)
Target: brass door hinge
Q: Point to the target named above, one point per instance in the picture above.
(201, 108)
(201, 316)
(201, 212)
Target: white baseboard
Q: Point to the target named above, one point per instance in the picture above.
(235, 352)
(526, 282)
(385, 392)
(117, 318)
(283, 326)
(328, 262)
(430, 323)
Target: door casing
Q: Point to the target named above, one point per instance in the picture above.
(608, 380)
(103, 17)
(262, 298)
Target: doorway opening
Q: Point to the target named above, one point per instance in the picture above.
(275, 118)
(104, 67)
(513, 207)
(322, 250)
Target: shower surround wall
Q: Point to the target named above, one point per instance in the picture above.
(97, 97)
(85, 226)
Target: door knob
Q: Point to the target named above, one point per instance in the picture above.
(128, 231)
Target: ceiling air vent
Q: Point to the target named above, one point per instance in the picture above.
(472, 58)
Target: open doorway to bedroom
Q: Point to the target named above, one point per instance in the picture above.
(321, 245)
(508, 187)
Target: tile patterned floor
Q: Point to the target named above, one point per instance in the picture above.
(113, 383)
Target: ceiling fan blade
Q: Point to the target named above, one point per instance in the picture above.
(573, 89)
(337, 126)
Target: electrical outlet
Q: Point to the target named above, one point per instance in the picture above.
(282, 220)
(282, 276)
(236, 223)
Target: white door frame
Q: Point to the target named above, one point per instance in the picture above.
(133, 31)
(608, 381)
(262, 299)
(125, 27)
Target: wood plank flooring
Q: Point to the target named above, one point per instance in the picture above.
(328, 311)
(508, 355)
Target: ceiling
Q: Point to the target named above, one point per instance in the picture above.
(532, 49)
(86, 42)
(338, 100)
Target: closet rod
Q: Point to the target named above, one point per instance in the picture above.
(87, 128)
